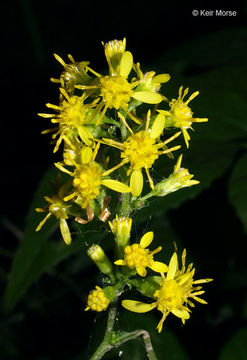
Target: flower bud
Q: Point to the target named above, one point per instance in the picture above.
(121, 227)
(96, 253)
(97, 300)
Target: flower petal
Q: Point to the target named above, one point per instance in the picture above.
(147, 239)
(148, 97)
(136, 182)
(86, 154)
(138, 306)
(172, 268)
(182, 314)
(141, 271)
(161, 78)
(126, 64)
(85, 135)
(158, 267)
(158, 126)
(116, 185)
(43, 221)
(65, 231)
(119, 262)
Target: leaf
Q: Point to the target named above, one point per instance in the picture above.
(236, 347)
(35, 254)
(238, 189)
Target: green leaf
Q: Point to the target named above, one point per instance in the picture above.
(236, 347)
(35, 254)
(238, 189)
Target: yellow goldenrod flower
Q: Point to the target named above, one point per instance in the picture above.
(138, 257)
(97, 300)
(88, 177)
(149, 81)
(141, 149)
(59, 209)
(72, 118)
(75, 73)
(180, 114)
(121, 227)
(179, 179)
(177, 290)
(114, 89)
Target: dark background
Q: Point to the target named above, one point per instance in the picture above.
(46, 325)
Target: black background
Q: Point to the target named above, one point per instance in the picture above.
(31, 32)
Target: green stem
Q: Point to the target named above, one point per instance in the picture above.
(146, 339)
(105, 346)
(114, 340)
(126, 208)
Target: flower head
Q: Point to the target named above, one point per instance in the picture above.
(88, 177)
(115, 90)
(180, 114)
(137, 256)
(121, 227)
(177, 291)
(59, 208)
(179, 179)
(140, 150)
(97, 300)
(74, 73)
(72, 118)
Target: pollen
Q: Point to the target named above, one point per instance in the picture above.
(116, 91)
(87, 180)
(97, 301)
(136, 256)
(170, 296)
(140, 150)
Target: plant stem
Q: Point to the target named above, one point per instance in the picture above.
(108, 343)
(126, 208)
(105, 346)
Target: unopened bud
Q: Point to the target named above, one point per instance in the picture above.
(96, 253)
(121, 227)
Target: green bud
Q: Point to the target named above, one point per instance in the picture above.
(96, 253)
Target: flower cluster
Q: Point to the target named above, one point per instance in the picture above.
(175, 289)
(104, 109)
(109, 147)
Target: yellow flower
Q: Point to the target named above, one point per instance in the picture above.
(179, 179)
(75, 73)
(121, 227)
(177, 290)
(141, 149)
(72, 118)
(114, 89)
(97, 300)
(149, 81)
(88, 177)
(59, 209)
(180, 114)
(138, 257)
